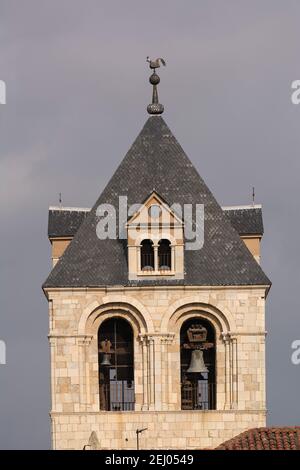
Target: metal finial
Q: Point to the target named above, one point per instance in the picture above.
(60, 200)
(155, 107)
(253, 195)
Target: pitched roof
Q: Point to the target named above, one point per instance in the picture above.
(287, 438)
(65, 221)
(157, 162)
(246, 220)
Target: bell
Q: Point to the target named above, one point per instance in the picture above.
(105, 360)
(197, 362)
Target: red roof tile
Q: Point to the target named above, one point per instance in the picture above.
(287, 438)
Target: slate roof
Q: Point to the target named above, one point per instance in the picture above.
(64, 222)
(246, 220)
(287, 438)
(157, 162)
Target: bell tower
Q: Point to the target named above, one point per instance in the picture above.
(148, 327)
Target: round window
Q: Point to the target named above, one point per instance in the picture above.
(154, 211)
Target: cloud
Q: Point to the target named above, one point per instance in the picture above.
(19, 176)
(77, 85)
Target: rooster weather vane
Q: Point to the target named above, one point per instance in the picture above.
(155, 107)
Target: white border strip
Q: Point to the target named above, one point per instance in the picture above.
(71, 209)
(232, 208)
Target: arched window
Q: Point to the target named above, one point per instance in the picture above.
(116, 373)
(197, 360)
(147, 255)
(164, 254)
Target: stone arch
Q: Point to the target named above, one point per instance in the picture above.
(196, 312)
(99, 316)
(155, 238)
(121, 305)
(188, 307)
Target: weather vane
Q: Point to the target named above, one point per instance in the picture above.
(155, 107)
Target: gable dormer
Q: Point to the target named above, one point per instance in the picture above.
(155, 237)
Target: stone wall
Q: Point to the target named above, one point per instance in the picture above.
(156, 315)
(166, 430)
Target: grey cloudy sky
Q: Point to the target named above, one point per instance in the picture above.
(77, 90)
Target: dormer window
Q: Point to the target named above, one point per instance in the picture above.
(155, 236)
(147, 255)
(164, 255)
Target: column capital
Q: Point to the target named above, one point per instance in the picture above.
(166, 338)
(228, 336)
(52, 340)
(84, 340)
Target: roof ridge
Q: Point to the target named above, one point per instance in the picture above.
(71, 209)
(250, 206)
(227, 208)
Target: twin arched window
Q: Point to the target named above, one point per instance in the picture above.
(148, 254)
(197, 364)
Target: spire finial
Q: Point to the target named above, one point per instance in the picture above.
(155, 107)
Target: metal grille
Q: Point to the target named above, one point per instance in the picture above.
(147, 261)
(165, 260)
(116, 367)
(117, 395)
(197, 395)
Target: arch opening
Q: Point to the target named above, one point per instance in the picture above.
(164, 254)
(116, 365)
(198, 364)
(147, 255)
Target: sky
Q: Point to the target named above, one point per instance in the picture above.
(77, 91)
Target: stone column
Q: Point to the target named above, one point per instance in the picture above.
(156, 370)
(138, 268)
(234, 372)
(151, 371)
(231, 371)
(52, 342)
(84, 372)
(155, 248)
(173, 267)
(53, 433)
(145, 375)
(51, 316)
(165, 340)
(227, 372)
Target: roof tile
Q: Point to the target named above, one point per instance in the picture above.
(284, 438)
